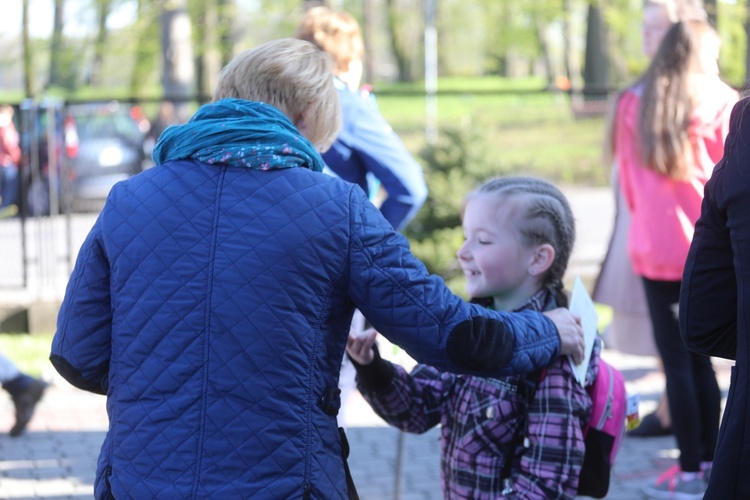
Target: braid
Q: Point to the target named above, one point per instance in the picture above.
(547, 218)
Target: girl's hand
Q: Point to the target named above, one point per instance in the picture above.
(359, 346)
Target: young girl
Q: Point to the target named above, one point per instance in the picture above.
(519, 234)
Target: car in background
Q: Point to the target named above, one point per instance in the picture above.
(110, 138)
(72, 165)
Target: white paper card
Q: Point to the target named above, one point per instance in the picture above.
(581, 304)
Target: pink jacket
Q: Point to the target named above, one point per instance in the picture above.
(663, 210)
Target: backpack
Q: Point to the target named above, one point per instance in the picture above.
(602, 434)
(604, 431)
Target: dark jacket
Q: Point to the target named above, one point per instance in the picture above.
(714, 303)
(212, 303)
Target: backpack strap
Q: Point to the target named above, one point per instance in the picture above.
(527, 388)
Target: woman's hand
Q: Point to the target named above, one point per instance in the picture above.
(568, 326)
(359, 346)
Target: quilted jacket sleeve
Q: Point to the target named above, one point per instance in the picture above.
(81, 346)
(416, 311)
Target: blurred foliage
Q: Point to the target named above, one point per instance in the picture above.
(30, 353)
(453, 166)
(731, 17)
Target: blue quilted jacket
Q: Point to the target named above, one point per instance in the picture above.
(212, 303)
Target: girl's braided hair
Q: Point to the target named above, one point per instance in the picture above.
(546, 217)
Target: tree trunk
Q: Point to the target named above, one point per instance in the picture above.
(596, 70)
(572, 71)
(56, 44)
(177, 53)
(103, 8)
(402, 62)
(227, 15)
(200, 13)
(309, 4)
(711, 10)
(28, 61)
(368, 8)
(541, 32)
(147, 33)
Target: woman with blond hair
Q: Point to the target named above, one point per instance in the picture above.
(212, 299)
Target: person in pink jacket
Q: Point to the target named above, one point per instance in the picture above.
(669, 134)
(617, 285)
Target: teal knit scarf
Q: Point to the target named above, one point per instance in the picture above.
(239, 133)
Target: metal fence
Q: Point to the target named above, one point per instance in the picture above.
(72, 153)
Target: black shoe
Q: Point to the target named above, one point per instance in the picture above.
(25, 403)
(650, 427)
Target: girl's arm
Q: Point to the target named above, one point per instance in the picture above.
(551, 466)
(413, 403)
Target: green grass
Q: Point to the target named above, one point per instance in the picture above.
(533, 134)
(29, 352)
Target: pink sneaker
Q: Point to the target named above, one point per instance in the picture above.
(671, 485)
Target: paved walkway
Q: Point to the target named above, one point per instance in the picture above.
(56, 458)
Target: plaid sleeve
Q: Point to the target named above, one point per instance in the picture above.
(551, 466)
(412, 402)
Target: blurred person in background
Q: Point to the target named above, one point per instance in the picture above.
(617, 285)
(669, 133)
(366, 147)
(24, 390)
(10, 157)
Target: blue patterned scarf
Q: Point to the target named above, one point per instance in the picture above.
(239, 133)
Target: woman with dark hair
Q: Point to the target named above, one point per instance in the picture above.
(669, 133)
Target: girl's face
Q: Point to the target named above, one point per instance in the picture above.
(656, 23)
(494, 258)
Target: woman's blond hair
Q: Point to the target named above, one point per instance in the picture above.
(334, 32)
(291, 75)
